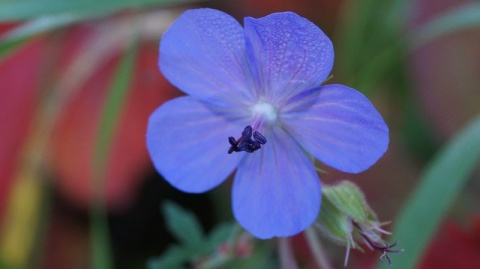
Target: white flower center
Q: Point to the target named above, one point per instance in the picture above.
(265, 110)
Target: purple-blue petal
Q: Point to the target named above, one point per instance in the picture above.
(288, 54)
(276, 191)
(188, 145)
(203, 54)
(342, 129)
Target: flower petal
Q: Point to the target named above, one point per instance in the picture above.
(276, 190)
(288, 53)
(188, 144)
(342, 129)
(203, 54)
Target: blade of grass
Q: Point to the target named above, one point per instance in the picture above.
(365, 29)
(463, 17)
(6, 48)
(37, 26)
(20, 34)
(438, 188)
(29, 197)
(352, 35)
(116, 97)
(22, 217)
(27, 9)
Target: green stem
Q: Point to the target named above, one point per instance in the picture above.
(287, 258)
(100, 238)
(317, 249)
(115, 100)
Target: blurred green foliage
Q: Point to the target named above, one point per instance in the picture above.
(441, 183)
(373, 45)
(215, 250)
(11, 10)
(374, 42)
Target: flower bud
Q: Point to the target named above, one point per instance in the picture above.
(347, 219)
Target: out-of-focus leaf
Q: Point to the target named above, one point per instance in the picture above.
(419, 138)
(178, 255)
(23, 212)
(352, 35)
(372, 68)
(6, 49)
(461, 244)
(88, 62)
(173, 258)
(367, 28)
(27, 9)
(445, 70)
(220, 234)
(438, 187)
(4, 265)
(19, 98)
(182, 224)
(371, 43)
(9, 47)
(110, 116)
(112, 109)
(23, 139)
(463, 17)
(36, 26)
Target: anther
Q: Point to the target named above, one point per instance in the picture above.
(259, 137)
(232, 141)
(246, 142)
(247, 132)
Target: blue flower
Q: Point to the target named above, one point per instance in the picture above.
(260, 84)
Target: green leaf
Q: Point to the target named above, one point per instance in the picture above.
(183, 224)
(463, 17)
(353, 28)
(17, 36)
(39, 25)
(384, 60)
(112, 109)
(176, 256)
(220, 234)
(367, 28)
(173, 258)
(9, 47)
(438, 188)
(27, 9)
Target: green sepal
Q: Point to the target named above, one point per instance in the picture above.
(349, 200)
(335, 225)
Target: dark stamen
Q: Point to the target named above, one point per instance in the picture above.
(246, 143)
(259, 137)
(247, 132)
(232, 141)
(234, 144)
